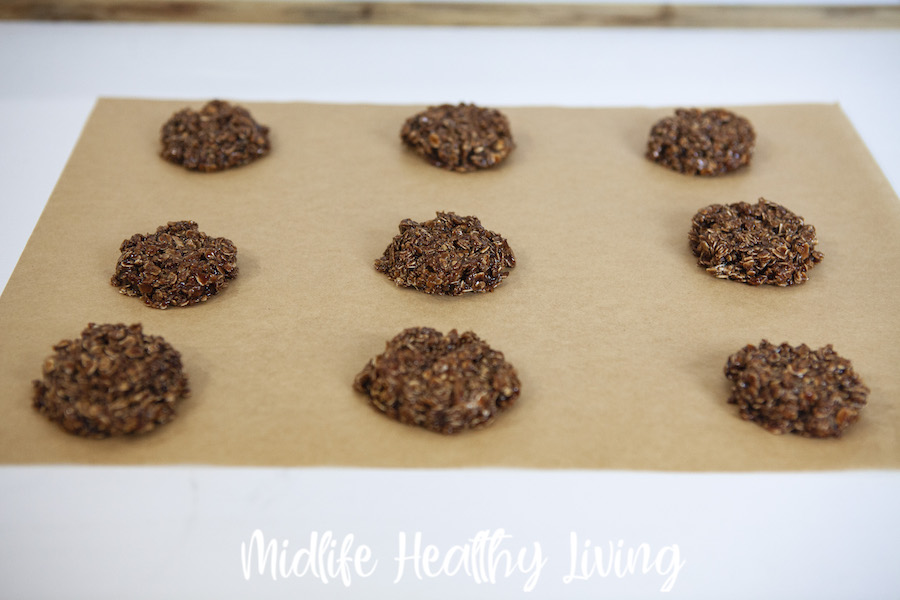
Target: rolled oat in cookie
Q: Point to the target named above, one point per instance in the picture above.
(113, 380)
(176, 266)
(460, 138)
(793, 389)
(448, 255)
(444, 383)
(220, 136)
(708, 143)
(762, 243)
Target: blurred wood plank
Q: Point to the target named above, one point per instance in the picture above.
(517, 14)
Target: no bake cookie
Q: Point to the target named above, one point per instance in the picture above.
(448, 255)
(461, 138)
(794, 389)
(178, 265)
(762, 243)
(444, 383)
(697, 142)
(112, 380)
(217, 137)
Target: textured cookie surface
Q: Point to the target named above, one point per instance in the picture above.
(762, 243)
(113, 380)
(793, 389)
(220, 136)
(178, 265)
(707, 143)
(444, 383)
(448, 255)
(460, 138)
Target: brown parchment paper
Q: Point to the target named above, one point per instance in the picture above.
(619, 337)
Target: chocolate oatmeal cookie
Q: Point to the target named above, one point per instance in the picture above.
(113, 380)
(445, 383)
(788, 389)
(449, 255)
(762, 243)
(460, 138)
(220, 136)
(707, 143)
(176, 266)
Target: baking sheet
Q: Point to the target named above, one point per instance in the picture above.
(618, 337)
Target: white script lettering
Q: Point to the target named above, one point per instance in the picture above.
(588, 561)
(321, 559)
(482, 558)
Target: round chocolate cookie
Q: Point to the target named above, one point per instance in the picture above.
(787, 389)
(449, 255)
(708, 143)
(762, 243)
(114, 380)
(220, 136)
(176, 266)
(445, 383)
(459, 138)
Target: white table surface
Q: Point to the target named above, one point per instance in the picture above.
(104, 532)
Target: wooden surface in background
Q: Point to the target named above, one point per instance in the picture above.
(451, 13)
